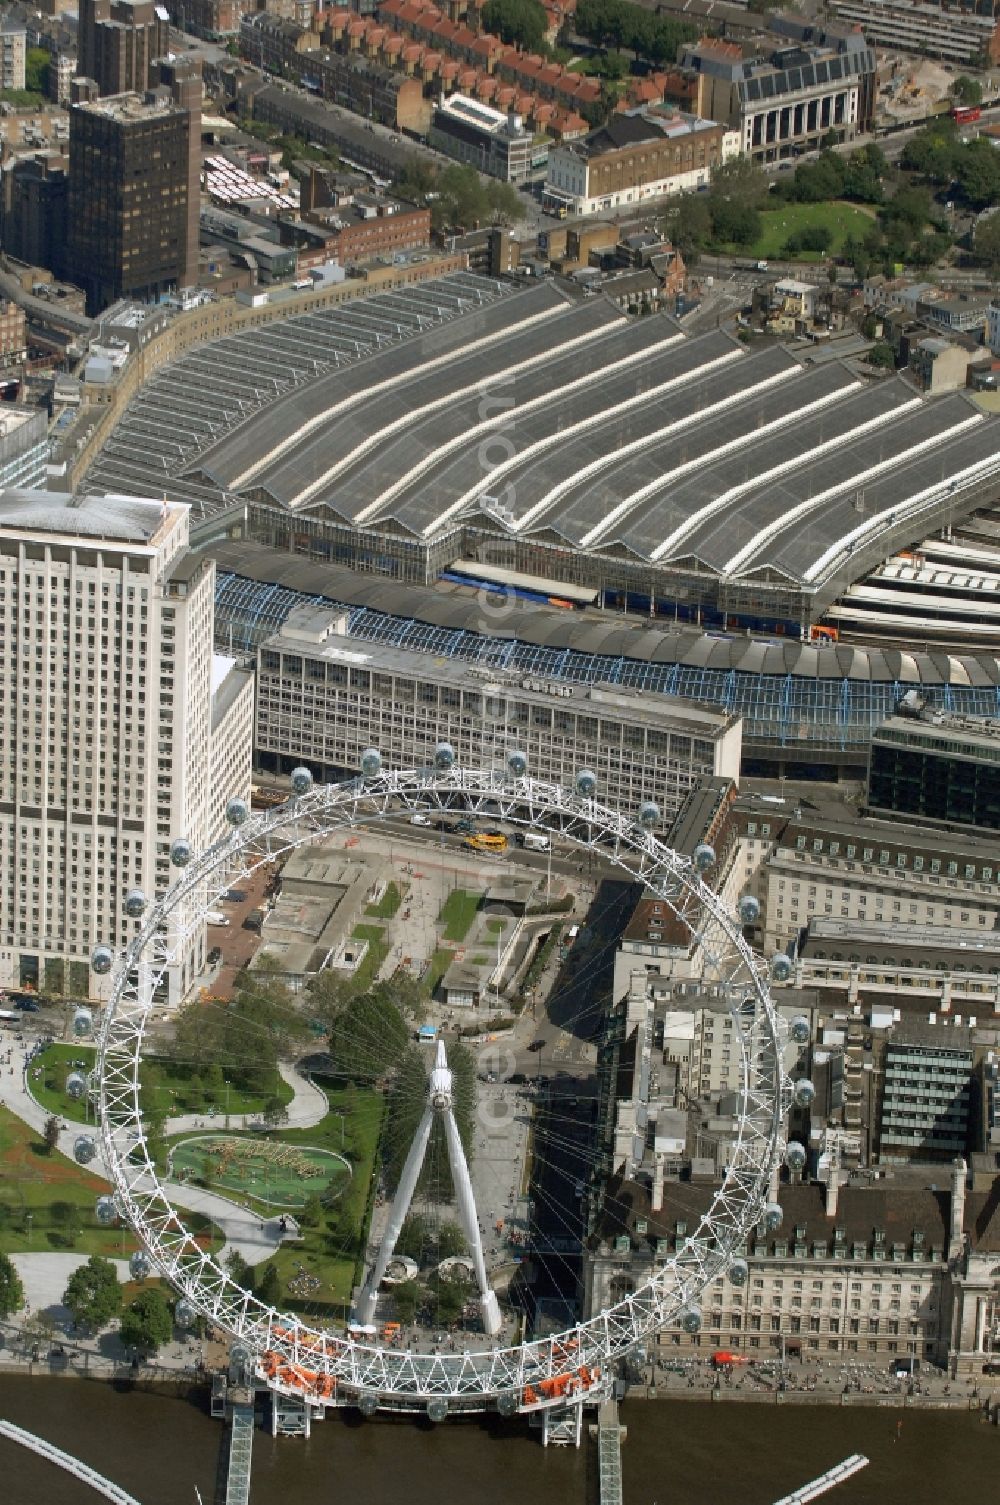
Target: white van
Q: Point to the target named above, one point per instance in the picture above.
(216, 917)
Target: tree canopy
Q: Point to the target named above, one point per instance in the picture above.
(986, 243)
(147, 1322)
(519, 23)
(93, 1293)
(247, 1038)
(966, 90)
(619, 26)
(11, 1289)
(457, 196)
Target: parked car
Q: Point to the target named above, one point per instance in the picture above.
(26, 1005)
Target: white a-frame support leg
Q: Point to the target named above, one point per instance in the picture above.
(440, 1104)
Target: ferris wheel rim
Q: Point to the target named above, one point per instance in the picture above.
(363, 1369)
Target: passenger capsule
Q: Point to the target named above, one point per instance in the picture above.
(84, 1149)
(76, 1085)
(691, 1319)
(649, 814)
(739, 1272)
(748, 909)
(444, 757)
(139, 1265)
(83, 1024)
(135, 903)
(237, 811)
(371, 763)
(517, 764)
(185, 1314)
(105, 1211)
(302, 781)
(795, 1155)
(799, 1029)
(704, 857)
(781, 967)
(586, 783)
(803, 1092)
(102, 959)
(181, 852)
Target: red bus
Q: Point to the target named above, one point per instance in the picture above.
(965, 114)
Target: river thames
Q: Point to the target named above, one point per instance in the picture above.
(161, 1449)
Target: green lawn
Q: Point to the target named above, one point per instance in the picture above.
(169, 1087)
(332, 1251)
(842, 220)
(378, 950)
(47, 1202)
(387, 905)
(458, 912)
(437, 967)
(48, 1074)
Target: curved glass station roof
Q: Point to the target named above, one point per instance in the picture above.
(791, 694)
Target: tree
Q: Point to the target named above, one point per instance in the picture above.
(978, 173)
(311, 1214)
(451, 1240)
(735, 223)
(36, 70)
(269, 1286)
(986, 243)
(51, 1134)
(931, 152)
(519, 23)
(239, 1270)
(275, 1113)
(369, 1037)
(147, 1322)
(882, 355)
(11, 1289)
(689, 225)
(966, 90)
(406, 1298)
(93, 1293)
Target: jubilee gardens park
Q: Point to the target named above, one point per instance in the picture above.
(216, 1114)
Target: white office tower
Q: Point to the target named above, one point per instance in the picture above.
(106, 623)
(440, 1103)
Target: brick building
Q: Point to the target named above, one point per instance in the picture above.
(640, 155)
(120, 42)
(213, 19)
(134, 190)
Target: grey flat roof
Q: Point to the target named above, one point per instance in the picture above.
(124, 519)
(593, 699)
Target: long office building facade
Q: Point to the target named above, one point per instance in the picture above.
(105, 727)
(323, 697)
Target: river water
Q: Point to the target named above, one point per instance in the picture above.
(160, 1448)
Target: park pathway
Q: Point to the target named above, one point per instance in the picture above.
(255, 1238)
(308, 1107)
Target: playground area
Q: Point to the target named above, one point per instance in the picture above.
(270, 1171)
